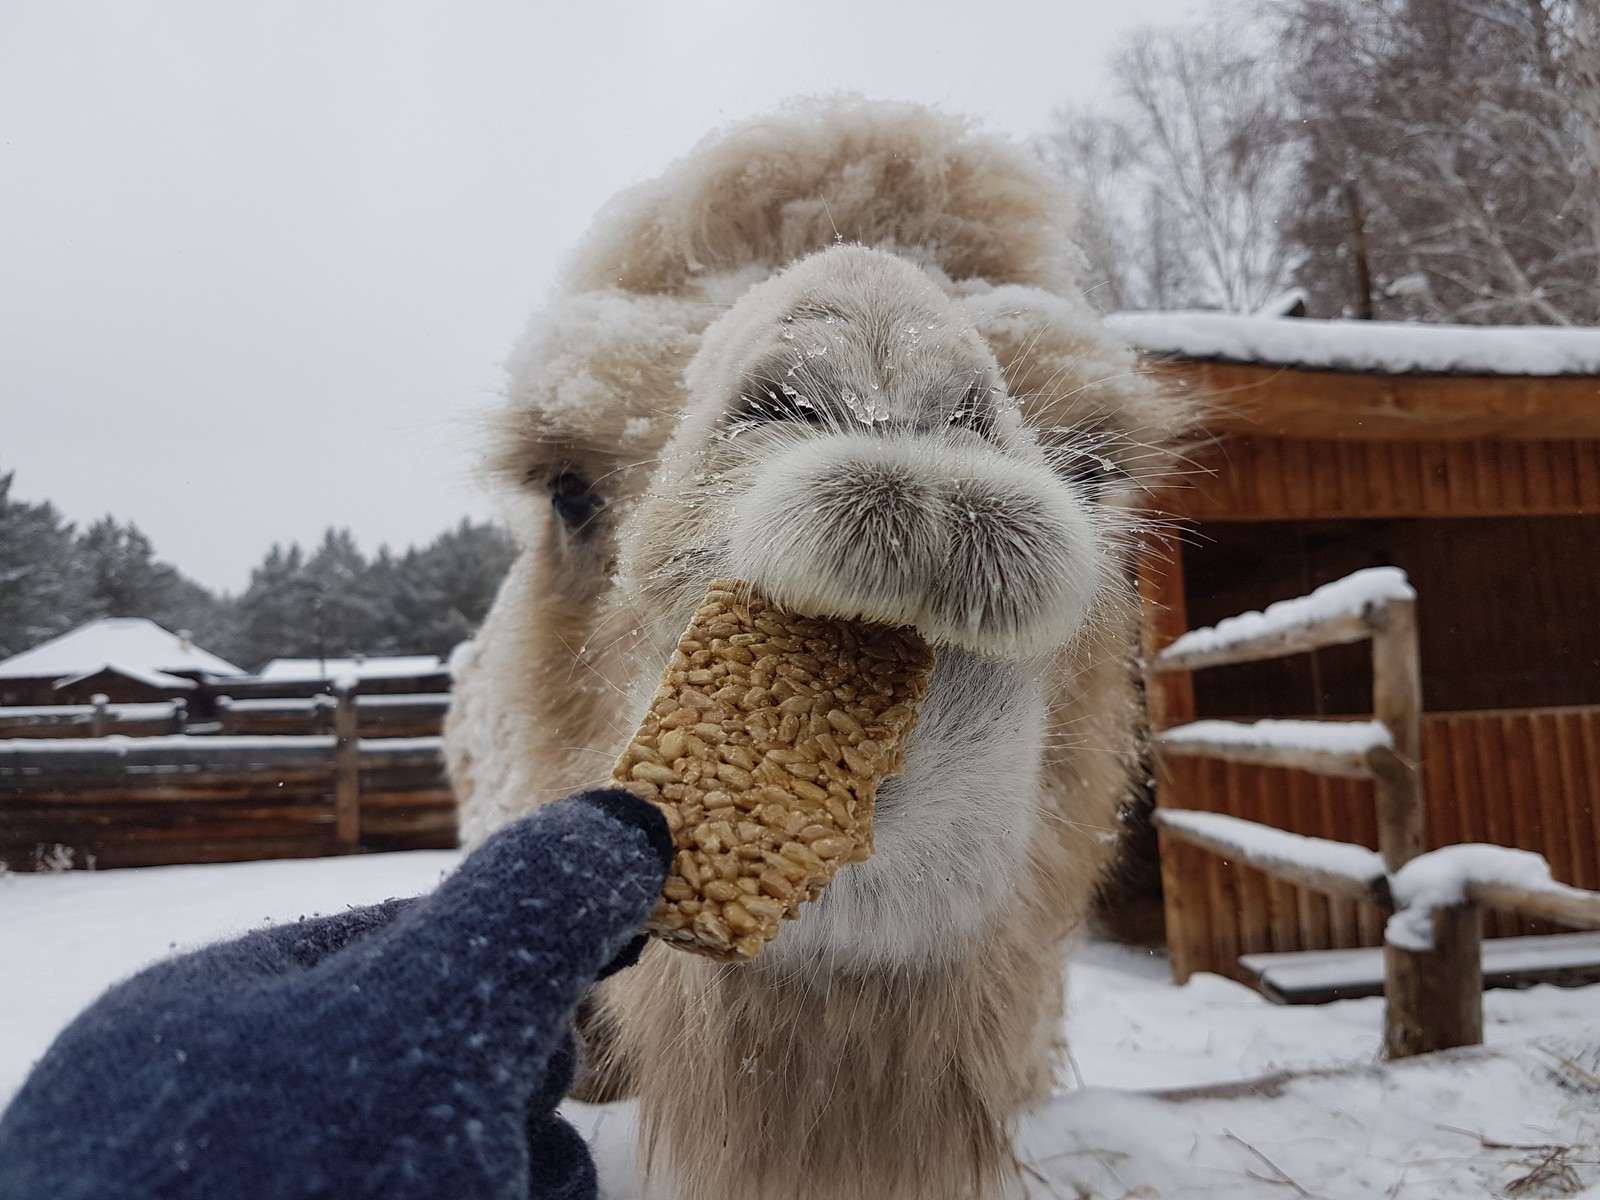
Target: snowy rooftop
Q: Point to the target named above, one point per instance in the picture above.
(296, 670)
(1382, 347)
(134, 645)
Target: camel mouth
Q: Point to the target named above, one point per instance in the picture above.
(973, 548)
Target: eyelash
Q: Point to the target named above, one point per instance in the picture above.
(765, 401)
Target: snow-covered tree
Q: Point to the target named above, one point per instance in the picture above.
(1451, 158)
(42, 581)
(443, 591)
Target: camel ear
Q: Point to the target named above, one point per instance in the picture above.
(594, 390)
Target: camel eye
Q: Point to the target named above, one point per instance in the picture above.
(574, 501)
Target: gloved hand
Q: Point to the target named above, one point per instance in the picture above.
(415, 1050)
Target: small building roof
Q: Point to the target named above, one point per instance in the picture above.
(136, 646)
(297, 670)
(1379, 347)
(155, 679)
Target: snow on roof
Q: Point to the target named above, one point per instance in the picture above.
(296, 670)
(133, 644)
(156, 679)
(1382, 347)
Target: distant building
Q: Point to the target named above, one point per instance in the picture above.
(126, 659)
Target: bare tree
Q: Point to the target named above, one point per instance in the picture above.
(1185, 176)
(1451, 158)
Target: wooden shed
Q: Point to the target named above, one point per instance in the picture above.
(1471, 459)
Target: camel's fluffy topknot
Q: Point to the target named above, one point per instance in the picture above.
(897, 176)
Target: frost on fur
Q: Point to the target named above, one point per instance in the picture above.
(838, 354)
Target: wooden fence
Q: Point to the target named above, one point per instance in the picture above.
(160, 800)
(1526, 778)
(1265, 889)
(377, 716)
(93, 720)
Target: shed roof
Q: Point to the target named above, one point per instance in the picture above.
(1376, 347)
(131, 644)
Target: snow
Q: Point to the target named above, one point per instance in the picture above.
(1335, 737)
(131, 643)
(155, 679)
(301, 704)
(421, 700)
(1351, 596)
(62, 712)
(1383, 347)
(1266, 845)
(307, 670)
(1440, 877)
(1120, 1123)
(166, 744)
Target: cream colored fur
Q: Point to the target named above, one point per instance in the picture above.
(839, 354)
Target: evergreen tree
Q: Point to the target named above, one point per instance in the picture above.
(443, 591)
(42, 580)
(348, 613)
(125, 579)
(277, 617)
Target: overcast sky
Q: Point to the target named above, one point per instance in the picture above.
(260, 261)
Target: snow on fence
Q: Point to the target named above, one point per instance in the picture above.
(96, 719)
(376, 716)
(1433, 942)
(1354, 749)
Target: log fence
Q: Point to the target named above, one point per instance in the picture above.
(123, 802)
(96, 719)
(1432, 980)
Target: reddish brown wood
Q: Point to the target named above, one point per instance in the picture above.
(1341, 405)
(1270, 479)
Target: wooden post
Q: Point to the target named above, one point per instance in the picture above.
(1169, 697)
(1434, 998)
(101, 718)
(346, 768)
(1397, 702)
(1169, 700)
(180, 715)
(325, 713)
(225, 718)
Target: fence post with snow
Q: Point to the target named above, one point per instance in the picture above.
(1433, 940)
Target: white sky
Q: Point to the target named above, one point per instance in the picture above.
(260, 260)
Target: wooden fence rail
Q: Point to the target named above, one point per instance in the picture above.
(1433, 985)
(93, 720)
(117, 802)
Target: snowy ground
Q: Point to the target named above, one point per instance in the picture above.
(1151, 1106)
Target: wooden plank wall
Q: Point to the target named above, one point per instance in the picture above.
(1528, 778)
(1286, 479)
(153, 803)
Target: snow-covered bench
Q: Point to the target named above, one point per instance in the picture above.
(1320, 976)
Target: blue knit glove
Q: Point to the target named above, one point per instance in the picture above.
(415, 1050)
